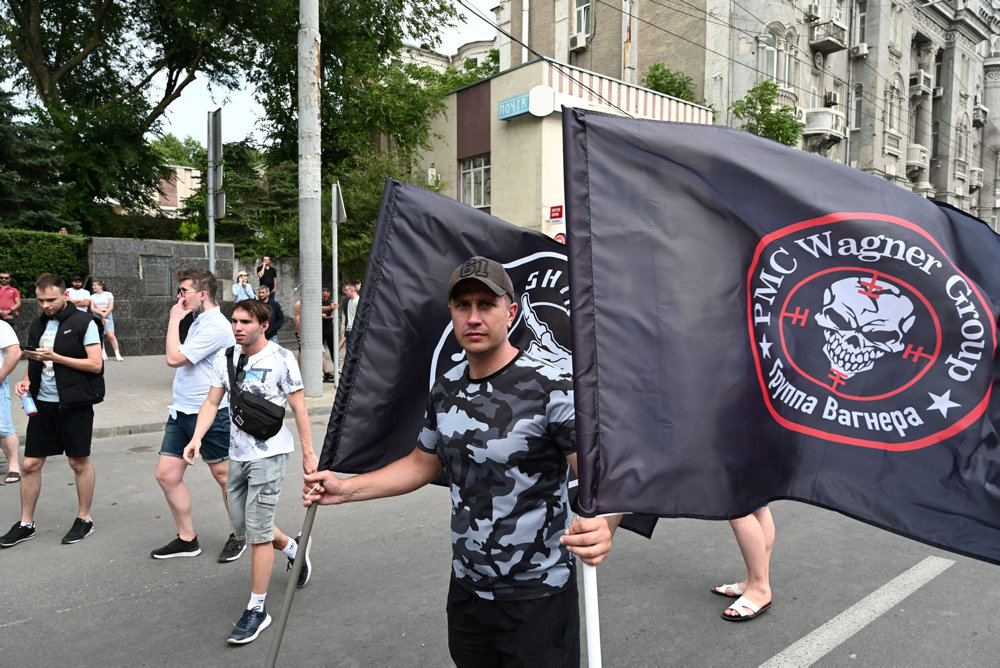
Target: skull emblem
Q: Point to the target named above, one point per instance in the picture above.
(863, 319)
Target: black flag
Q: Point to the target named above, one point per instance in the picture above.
(401, 340)
(753, 322)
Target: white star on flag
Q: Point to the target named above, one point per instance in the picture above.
(765, 347)
(942, 403)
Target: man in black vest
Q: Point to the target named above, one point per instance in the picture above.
(65, 376)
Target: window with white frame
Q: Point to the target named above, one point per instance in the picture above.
(788, 60)
(777, 56)
(769, 48)
(861, 15)
(814, 98)
(583, 16)
(475, 174)
(837, 11)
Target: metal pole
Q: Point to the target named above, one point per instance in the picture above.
(279, 630)
(310, 197)
(592, 614)
(210, 199)
(337, 215)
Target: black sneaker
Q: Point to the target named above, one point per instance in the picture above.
(81, 529)
(178, 548)
(249, 627)
(17, 534)
(233, 549)
(329, 378)
(306, 563)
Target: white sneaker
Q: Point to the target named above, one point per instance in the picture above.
(119, 358)
(104, 355)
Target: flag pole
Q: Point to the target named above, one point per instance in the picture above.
(593, 616)
(286, 606)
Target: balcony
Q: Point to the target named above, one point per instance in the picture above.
(918, 157)
(828, 37)
(975, 179)
(823, 128)
(979, 115)
(921, 83)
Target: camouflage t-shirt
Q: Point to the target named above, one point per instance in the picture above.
(503, 442)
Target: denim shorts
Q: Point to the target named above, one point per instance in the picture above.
(214, 446)
(253, 493)
(6, 423)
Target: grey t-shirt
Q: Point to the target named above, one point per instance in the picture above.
(503, 442)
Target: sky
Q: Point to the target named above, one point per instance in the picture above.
(188, 115)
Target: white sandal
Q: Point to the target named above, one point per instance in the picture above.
(740, 607)
(735, 587)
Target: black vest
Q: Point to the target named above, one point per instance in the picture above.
(76, 388)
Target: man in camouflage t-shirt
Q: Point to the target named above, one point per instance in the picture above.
(501, 426)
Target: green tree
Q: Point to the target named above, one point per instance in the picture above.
(173, 151)
(103, 72)
(664, 80)
(758, 115)
(31, 195)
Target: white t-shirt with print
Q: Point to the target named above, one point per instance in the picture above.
(7, 339)
(272, 374)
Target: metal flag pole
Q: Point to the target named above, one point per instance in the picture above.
(592, 615)
(286, 606)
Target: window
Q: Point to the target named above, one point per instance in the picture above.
(476, 181)
(859, 96)
(777, 56)
(862, 10)
(583, 16)
(769, 46)
(935, 134)
(837, 11)
(814, 98)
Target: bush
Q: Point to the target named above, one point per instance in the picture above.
(26, 254)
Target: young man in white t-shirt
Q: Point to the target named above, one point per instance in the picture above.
(257, 467)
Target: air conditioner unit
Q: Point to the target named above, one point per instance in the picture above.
(578, 41)
(831, 99)
(812, 12)
(859, 50)
(980, 114)
(938, 92)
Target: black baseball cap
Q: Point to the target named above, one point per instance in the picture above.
(78, 277)
(488, 272)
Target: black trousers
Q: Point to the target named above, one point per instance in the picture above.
(541, 632)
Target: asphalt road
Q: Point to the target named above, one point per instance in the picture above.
(845, 594)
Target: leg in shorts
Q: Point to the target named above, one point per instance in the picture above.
(254, 490)
(6, 423)
(56, 431)
(178, 432)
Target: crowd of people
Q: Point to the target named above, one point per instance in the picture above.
(500, 426)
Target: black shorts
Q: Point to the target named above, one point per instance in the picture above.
(57, 431)
(541, 632)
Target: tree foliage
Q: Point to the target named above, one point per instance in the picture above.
(173, 151)
(664, 80)
(31, 195)
(101, 73)
(758, 115)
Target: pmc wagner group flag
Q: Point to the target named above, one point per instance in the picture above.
(753, 322)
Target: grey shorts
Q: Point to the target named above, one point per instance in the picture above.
(253, 492)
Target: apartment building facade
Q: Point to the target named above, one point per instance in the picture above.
(499, 141)
(900, 89)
